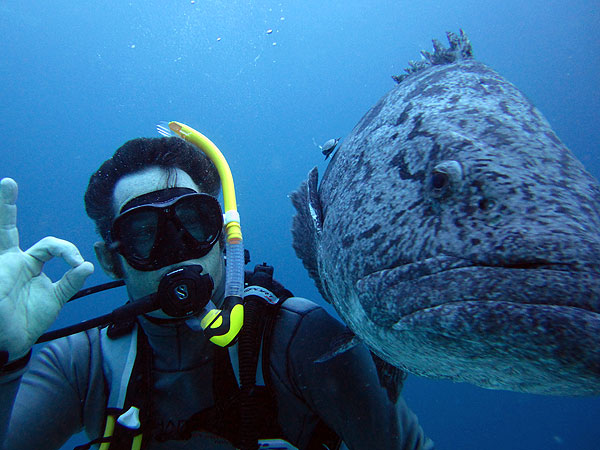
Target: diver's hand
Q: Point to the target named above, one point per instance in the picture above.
(29, 300)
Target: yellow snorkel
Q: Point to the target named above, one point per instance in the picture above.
(222, 325)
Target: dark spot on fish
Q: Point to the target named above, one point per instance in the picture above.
(416, 131)
(394, 136)
(377, 199)
(480, 88)
(429, 79)
(492, 86)
(454, 100)
(504, 108)
(527, 128)
(495, 176)
(457, 222)
(486, 204)
(428, 211)
(368, 170)
(368, 234)
(347, 240)
(434, 91)
(437, 75)
(404, 115)
(531, 210)
(478, 68)
(462, 123)
(372, 114)
(472, 111)
(475, 241)
(489, 81)
(550, 135)
(405, 174)
(468, 209)
(361, 156)
(414, 205)
(437, 225)
(526, 192)
(493, 121)
(398, 215)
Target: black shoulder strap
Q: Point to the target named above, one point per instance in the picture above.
(323, 436)
(138, 395)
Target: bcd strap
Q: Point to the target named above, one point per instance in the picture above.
(138, 397)
(323, 436)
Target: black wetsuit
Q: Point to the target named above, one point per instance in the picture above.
(64, 390)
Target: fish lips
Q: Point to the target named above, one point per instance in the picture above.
(398, 296)
(392, 295)
(532, 330)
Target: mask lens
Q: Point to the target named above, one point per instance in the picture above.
(200, 218)
(141, 230)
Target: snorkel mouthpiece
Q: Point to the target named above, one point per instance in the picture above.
(222, 325)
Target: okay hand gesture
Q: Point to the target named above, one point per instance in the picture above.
(29, 300)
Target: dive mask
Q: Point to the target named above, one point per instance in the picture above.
(166, 227)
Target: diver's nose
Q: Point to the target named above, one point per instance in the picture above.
(175, 237)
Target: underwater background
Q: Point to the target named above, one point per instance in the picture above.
(79, 78)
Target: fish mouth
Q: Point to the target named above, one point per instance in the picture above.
(530, 327)
(430, 285)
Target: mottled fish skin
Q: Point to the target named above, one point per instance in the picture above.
(457, 236)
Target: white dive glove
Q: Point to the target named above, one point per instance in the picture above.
(29, 300)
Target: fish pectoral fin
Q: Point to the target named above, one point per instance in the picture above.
(341, 344)
(307, 225)
(309, 215)
(314, 201)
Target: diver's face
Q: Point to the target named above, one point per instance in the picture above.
(141, 283)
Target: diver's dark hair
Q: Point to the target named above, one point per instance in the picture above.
(139, 154)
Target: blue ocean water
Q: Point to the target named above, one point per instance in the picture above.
(77, 79)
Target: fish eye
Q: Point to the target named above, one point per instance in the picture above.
(439, 180)
(445, 176)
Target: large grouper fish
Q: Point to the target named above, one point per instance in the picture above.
(457, 236)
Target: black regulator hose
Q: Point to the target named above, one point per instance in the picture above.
(119, 315)
(182, 292)
(248, 349)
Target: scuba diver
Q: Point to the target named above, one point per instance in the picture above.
(203, 355)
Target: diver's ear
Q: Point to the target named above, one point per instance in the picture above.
(109, 260)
